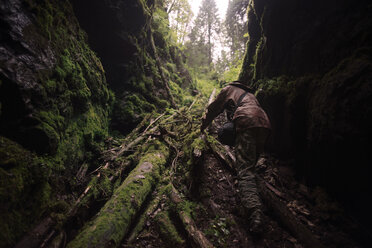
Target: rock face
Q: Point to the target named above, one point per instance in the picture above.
(121, 32)
(54, 101)
(313, 62)
(49, 76)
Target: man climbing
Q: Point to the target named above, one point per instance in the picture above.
(252, 129)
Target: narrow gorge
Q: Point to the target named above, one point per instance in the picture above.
(100, 114)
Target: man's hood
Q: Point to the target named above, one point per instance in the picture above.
(242, 86)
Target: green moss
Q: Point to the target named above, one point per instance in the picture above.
(176, 91)
(132, 110)
(115, 218)
(24, 190)
(167, 230)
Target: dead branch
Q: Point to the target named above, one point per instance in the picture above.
(139, 126)
(274, 190)
(211, 97)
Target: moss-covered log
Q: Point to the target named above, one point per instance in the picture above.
(113, 221)
(167, 230)
(197, 237)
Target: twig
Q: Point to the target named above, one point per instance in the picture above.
(192, 104)
(147, 128)
(99, 167)
(47, 238)
(274, 190)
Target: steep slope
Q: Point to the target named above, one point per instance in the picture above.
(312, 61)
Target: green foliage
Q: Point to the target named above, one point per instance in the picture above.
(161, 23)
(176, 91)
(219, 230)
(180, 15)
(233, 71)
(206, 86)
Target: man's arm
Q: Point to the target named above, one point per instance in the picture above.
(214, 109)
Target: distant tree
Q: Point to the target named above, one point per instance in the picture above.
(236, 25)
(206, 28)
(208, 24)
(180, 15)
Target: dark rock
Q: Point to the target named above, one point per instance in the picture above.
(312, 61)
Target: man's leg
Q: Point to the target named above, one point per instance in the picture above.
(245, 150)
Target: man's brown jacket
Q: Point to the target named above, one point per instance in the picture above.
(249, 113)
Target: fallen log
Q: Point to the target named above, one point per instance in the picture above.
(140, 138)
(220, 152)
(113, 221)
(143, 218)
(167, 230)
(193, 232)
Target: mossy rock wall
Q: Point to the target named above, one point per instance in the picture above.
(54, 102)
(311, 64)
(120, 32)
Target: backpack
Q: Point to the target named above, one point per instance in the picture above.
(226, 133)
